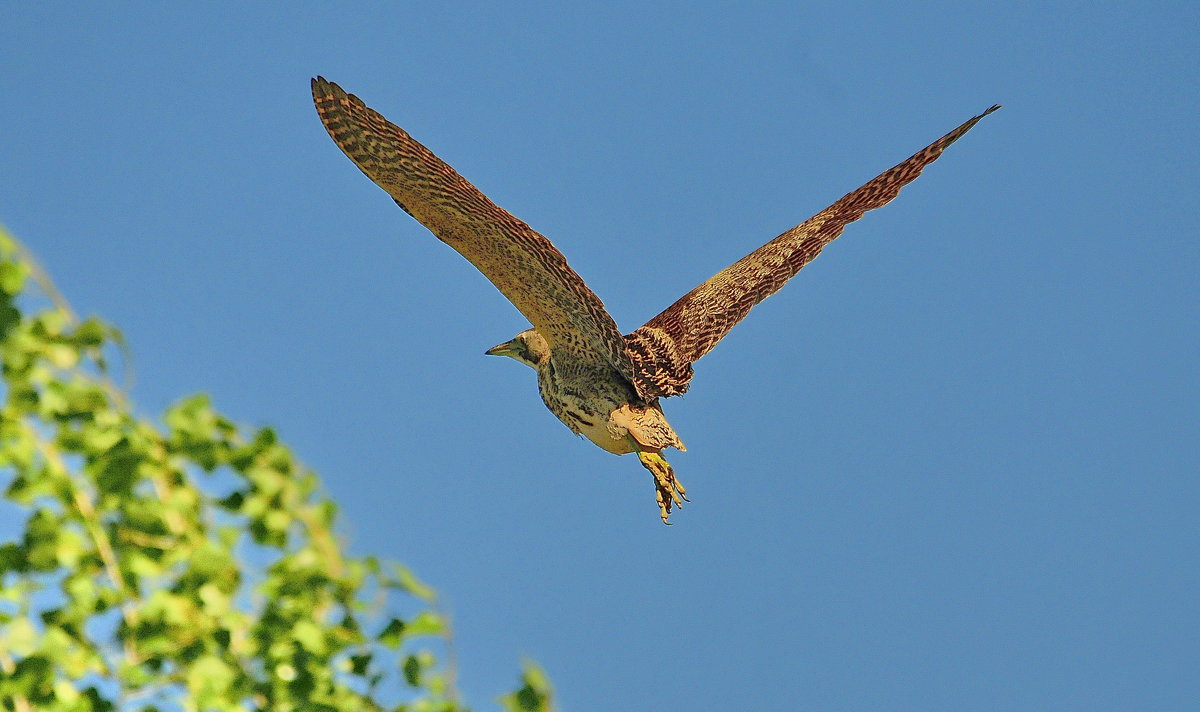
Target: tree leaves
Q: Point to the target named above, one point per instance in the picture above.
(534, 695)
(183, 565)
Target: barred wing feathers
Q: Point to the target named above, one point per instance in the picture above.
(519, 261)
(664, 349)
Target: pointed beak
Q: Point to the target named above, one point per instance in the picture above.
(505, 349)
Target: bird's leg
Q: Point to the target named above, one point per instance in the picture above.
(667, 488)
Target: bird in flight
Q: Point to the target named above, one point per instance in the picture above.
(600, 384)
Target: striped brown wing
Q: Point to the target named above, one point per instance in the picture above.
(665, 347)
(522, 264)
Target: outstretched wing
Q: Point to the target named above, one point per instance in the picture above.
(522, 264)
(663, 350)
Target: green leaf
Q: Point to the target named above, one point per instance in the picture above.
(534, 695)
(233, 501)
(61, 355)
(12, 558)
(310, 636)
(404, 579)
(209, 679)
(118, 469)
(412, 670)
(20, 637)
(33, 679)
(69, 548)
(393, 634)
(10, 317)
(210, 560)
(12, 277)
(426, 623)
(41, 540)
(91, 332)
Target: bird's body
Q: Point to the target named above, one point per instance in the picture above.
(597, 404)
(594, 400)
(600, 384)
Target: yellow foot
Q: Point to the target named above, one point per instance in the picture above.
(668, 489)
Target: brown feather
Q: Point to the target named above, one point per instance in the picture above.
(665, 347)
(522, 263)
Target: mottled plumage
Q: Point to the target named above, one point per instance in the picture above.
(600, 384)
(664, 349)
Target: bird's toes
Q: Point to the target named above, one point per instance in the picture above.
(667, 488)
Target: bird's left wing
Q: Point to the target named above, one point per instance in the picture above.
(523, 264)
(664, 348)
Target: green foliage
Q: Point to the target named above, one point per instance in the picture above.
(534, 695)
(189, 565)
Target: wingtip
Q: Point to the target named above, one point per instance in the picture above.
(323, 89)
(993, 108)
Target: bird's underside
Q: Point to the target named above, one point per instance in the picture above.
(601, 384)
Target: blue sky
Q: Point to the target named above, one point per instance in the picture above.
(952, 465)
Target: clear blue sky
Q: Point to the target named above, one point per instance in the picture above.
(952, 465)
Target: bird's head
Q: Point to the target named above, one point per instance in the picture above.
(528, 347)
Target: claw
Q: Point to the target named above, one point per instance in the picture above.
(668, 489)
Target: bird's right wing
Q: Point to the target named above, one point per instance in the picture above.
(522, 263)
(664, 348)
